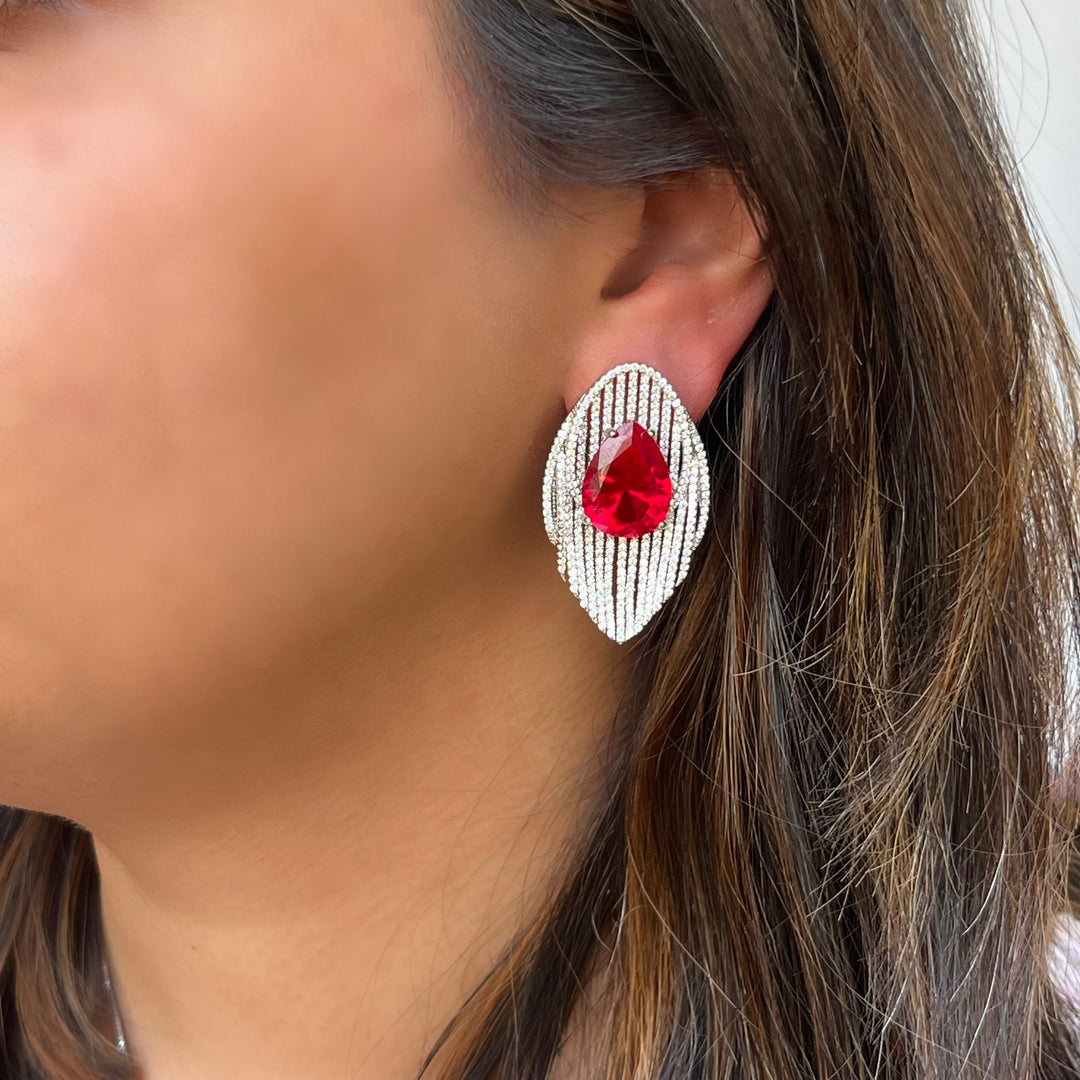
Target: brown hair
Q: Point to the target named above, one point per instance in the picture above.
(833, 844)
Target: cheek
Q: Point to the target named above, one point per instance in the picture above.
(227, 366)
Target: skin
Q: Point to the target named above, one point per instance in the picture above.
(279, 623)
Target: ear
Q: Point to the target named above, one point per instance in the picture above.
(687, 295)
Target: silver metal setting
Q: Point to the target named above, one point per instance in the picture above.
(118, 1024)
(622, 582)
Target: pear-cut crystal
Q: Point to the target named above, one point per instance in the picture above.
(627, 486)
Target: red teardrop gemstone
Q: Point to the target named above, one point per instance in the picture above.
(627, 487)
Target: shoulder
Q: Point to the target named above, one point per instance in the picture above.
(1064, 958)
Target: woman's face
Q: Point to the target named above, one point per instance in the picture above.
(273, 357)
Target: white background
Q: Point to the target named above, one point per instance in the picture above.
(1034, 49)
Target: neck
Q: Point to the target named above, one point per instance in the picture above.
(321, 902)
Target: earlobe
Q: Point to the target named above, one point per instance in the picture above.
(686, 298)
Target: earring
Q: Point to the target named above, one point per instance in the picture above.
(626, 497)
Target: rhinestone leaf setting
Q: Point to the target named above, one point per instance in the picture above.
(622, 581)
